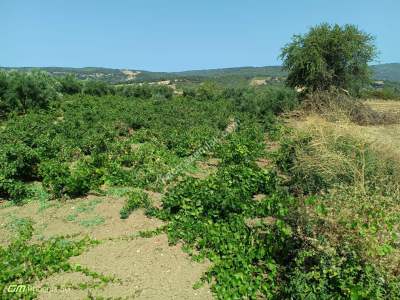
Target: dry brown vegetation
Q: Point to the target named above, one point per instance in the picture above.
(337, 106)
(360, 164)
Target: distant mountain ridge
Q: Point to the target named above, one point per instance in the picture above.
(389, 72)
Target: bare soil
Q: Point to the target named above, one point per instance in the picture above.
(147, 268)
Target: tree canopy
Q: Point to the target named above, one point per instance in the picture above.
(329, 56)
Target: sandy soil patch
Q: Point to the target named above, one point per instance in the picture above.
(148, 268)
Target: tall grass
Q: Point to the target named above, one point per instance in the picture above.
(354, 183)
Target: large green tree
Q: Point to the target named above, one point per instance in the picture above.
(329, 56)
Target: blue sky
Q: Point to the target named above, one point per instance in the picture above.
(174, 35)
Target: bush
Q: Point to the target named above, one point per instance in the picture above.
(70, 85)
(136, 199)
(97, 88)
(207, 91)
(13, 190)
(61, 181)
(142, 91)
(18, 164)
(242, 146)
(319, 275)
(20, 92)
(386, 93)
(264, 101)
(55, 177)
(146, 91)
(18, 161)
(162, 92)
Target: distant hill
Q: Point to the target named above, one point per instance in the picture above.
(249, 72)
(389, 72)
(104, 74)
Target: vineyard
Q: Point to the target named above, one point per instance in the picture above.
(275, 210)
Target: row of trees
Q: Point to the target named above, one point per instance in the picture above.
(20, 92)
(328, 56)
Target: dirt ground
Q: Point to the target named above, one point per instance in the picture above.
(147, 268)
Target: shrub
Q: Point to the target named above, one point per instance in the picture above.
(55, 177)
(146, 91)
(242, 146)
(385, 93)
(136, 199)
(210, 215)
(14, 190)
(97, 88)
(142, 91)
(20, 92)
(18, 164)
(262, 102)
(319, 275)
(161, 92)
(206, 91)
(18, 161)
(70, 85)
(61, 181)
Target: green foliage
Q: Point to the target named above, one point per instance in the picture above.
(390, 72)
(207, 91)
(89, 140)
(18, 161)
(265, 102)
(70, 85)
(211, 214)
(142, 167)
(97, 88)
(20, 92)
(329, 56)
(61, 181)
(25, 262)
(145, 91)
(136, 199)
(14, 190)
(135, 91)
(243, 146)
(241, 217)
(18, 164)
(343, 275)
(385, 93)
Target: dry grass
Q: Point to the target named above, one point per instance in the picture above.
(353, 212)
(384, 139)
(335, 106)
(384, 105)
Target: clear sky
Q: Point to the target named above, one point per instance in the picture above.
(174, 35)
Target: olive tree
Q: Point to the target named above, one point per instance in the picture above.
(329, 56)
(20, 91)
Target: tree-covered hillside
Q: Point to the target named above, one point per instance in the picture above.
(389, 72)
